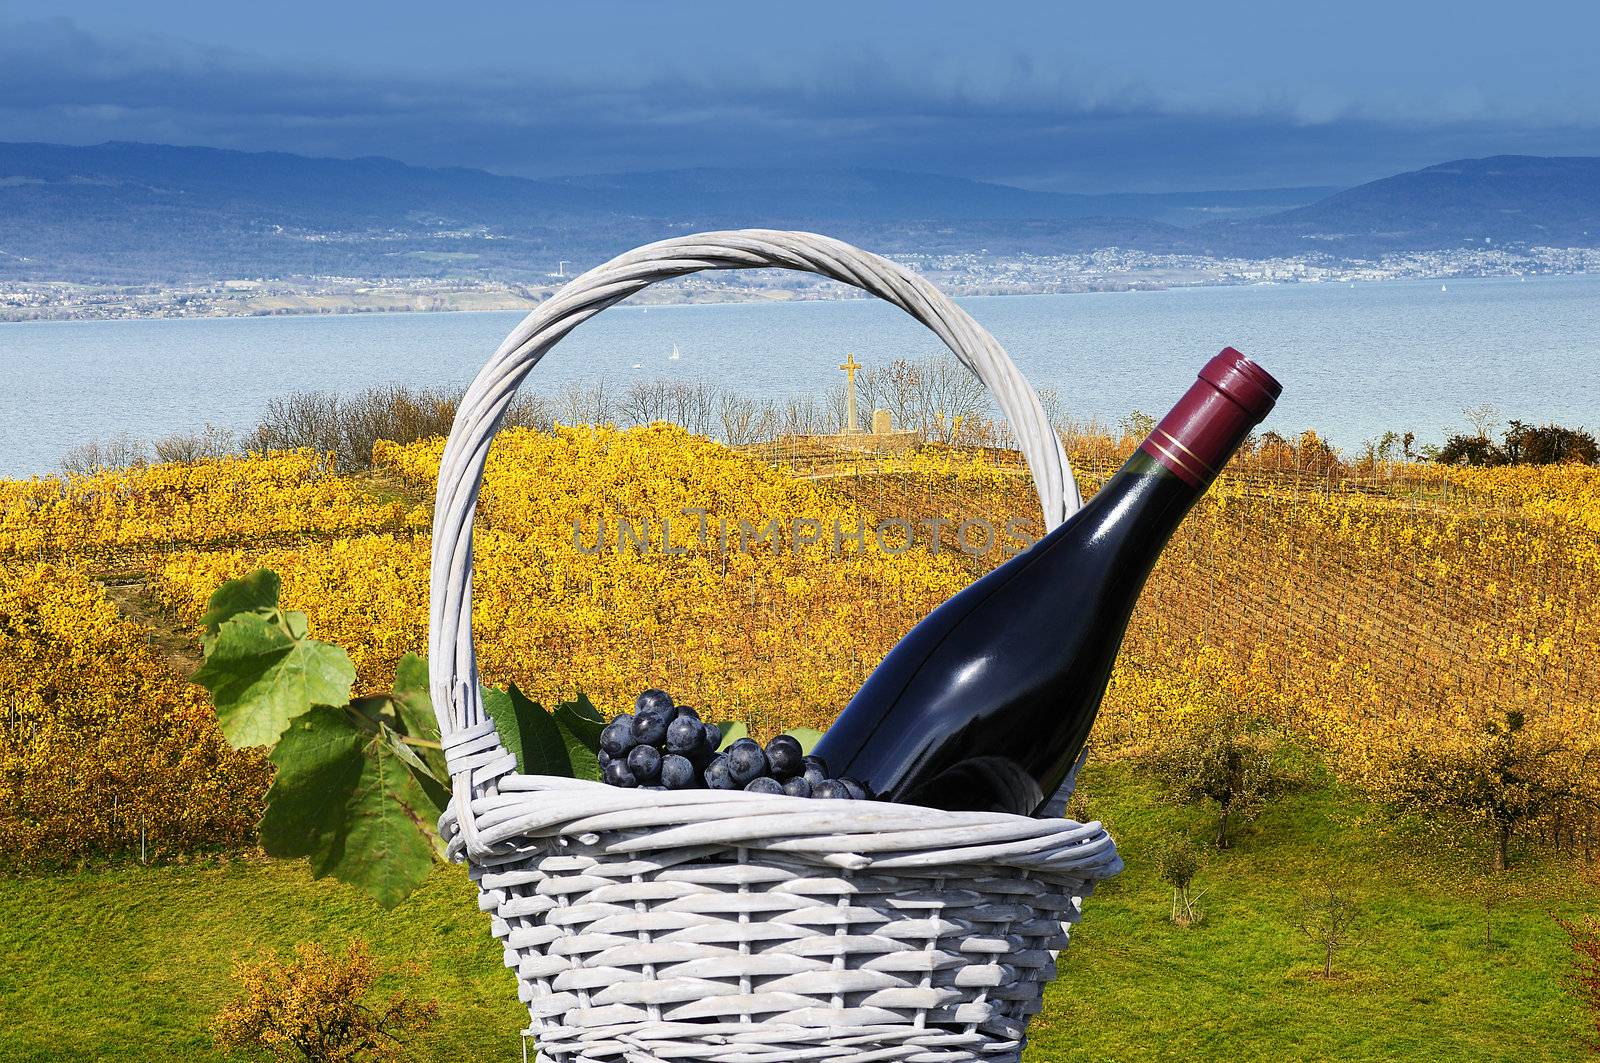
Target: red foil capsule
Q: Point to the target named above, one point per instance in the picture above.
(1195, 438)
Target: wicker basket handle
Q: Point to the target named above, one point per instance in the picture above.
(469, 738)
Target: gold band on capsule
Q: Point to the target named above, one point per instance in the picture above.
(1198, 460)
(1179, 465)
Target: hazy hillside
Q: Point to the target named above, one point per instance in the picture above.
(1507, 199)
(123, 212)
(136, 213)
(895, 195)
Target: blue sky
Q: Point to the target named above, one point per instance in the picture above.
(1141, 96)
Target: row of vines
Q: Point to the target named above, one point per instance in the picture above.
(1375, 613)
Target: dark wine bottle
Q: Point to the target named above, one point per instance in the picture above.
(988, 701)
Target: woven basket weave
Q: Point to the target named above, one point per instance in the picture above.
(649, 926)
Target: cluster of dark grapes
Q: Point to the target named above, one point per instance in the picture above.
(662, 746)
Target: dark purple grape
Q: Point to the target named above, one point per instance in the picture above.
(645, 763)
(684, 710)
(617, 774)
(617, 738)
(650, 729)
(685, 735)
(764, 785)
(857, 791)
(652, 700)
(811, 760)
(713, 736)
(814, 775)
(719, 775)
(604, 758)
(677, 773)
(797, 787)
(831, 789)
(785, 756)
(747, 760)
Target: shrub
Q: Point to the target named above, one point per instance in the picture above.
(1178, 864)
(1584, 980)
(1524, 444)
(1509, 774)
(1218, 756)
(1549, 444)
(312, 1006)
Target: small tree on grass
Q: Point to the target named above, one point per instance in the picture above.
(1506, 774)
(311, 1007)
(1584, 981)
(1178, 864)
(1328, 918)
(1222, 758)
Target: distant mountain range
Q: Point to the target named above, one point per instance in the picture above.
(1507, 199)
(136, 213)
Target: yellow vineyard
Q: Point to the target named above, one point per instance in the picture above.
(1370, 611)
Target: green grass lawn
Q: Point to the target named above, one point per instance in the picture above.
(130, 963)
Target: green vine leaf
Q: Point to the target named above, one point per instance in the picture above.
(580, 726)
(347, 796)
(808, 737)
(262, 675)
(255, 593)
(528, 732)
(732, 731)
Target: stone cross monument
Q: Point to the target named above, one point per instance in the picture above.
(850, 366)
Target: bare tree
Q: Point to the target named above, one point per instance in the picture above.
(737, 415)
(644, 402)
(120, 452)
(1484, 419)
(587, 405)
(1329, 919)
(303, 419)
(769, 421)
(691, 403)
(209, 442)
(802, 417)
(530, 410)
(950, 394)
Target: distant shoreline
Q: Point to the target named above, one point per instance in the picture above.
(287, 299)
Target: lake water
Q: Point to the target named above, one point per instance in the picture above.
(1355, 360)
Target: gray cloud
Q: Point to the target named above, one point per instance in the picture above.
(1019, 122)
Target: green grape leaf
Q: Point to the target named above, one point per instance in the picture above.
(580, 734)
(584, 708)
(318, 762)
(731, 733)
(436, 790)
(347, 797)
(808, 737)
(255, 593)
(414, 707)
(528, 732)
(261, 677)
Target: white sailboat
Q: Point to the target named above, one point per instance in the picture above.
(675, 355)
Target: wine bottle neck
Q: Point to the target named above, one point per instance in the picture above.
(1198, 435)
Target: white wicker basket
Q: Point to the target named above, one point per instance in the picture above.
(745, 928)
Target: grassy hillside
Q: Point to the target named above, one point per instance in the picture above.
(130, 963)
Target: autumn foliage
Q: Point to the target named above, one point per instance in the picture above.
(1390, 615)
(314, 1006)
(1584, 982)
(103, 748)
